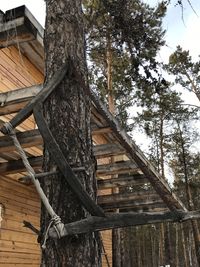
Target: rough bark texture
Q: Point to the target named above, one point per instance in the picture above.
(68, 114)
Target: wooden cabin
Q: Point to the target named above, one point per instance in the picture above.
(21, 78)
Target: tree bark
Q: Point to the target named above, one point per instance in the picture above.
(67, 112)
(177, 245)
(186, 264)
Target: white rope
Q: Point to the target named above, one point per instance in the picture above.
(55, 219)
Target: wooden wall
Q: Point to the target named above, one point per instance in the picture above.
(18, 245)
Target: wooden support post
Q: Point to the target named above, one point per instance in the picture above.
(118, 220)
(63, 165)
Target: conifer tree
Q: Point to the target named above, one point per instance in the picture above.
(187, 72)
(132, 31)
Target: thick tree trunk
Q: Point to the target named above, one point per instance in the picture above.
(67, 112)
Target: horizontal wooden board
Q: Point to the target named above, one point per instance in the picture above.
(19, 207)
(17, 226)
(31, 71)
(21, 258)
(14, 215)
(15, 186)
(10, 235)
(19, 247)
(8, 197)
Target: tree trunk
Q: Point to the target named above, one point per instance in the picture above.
(168, 246)
(186, 264)
(177, 244)
(161, 245)
(67, 112)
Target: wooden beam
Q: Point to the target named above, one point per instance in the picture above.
(16, 166)
(33, 138)
(21, 26)
(41, 96)
(107, 150)
(137, 179)
(130, 200)
(101, 130)
(119, 220)
(133, 152)
(14, 101)
(117, 168)
(26, 139)
(127, 197)
(136, 205)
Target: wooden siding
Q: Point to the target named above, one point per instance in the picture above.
(18, 245)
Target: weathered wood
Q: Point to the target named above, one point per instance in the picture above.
(42, 95)
(22, 27)
(26, 179)
(137, 179)
(117, 168)
(63, 165)
(134, 200)
(23, 34)
(33, 138)
(103, 184)
(26, 139)
(127, 197)
(107, 150)
(101, 130)
(13, 101)
(160, 185)
(136, 206)
(16, 166)
(119, 220)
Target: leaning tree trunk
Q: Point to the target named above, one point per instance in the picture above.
(68, 114)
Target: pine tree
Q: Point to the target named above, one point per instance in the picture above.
(131, 33)
(187, 72)
(67, 112)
